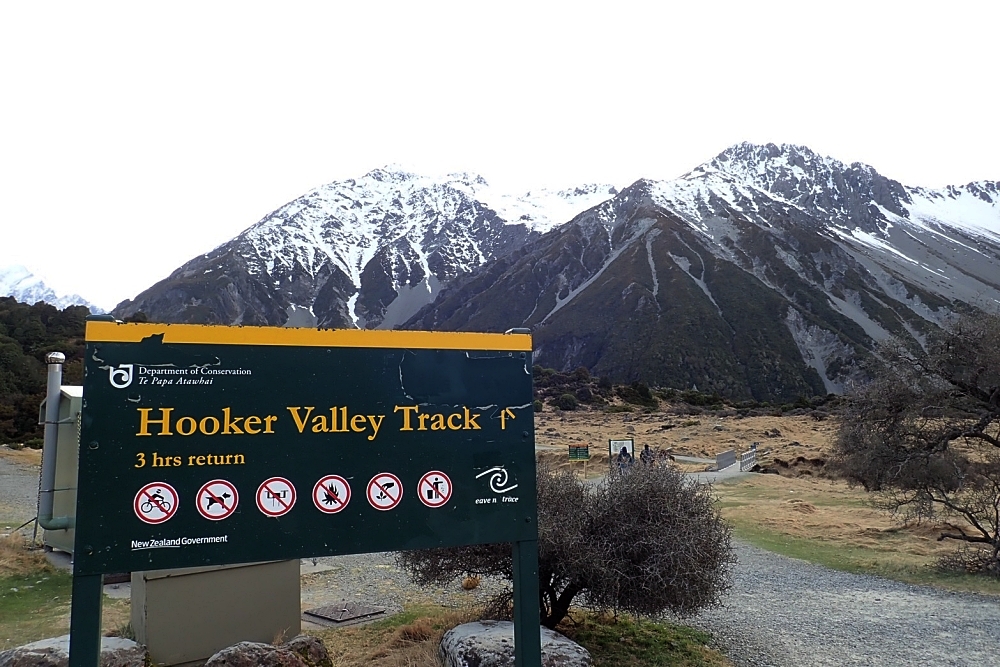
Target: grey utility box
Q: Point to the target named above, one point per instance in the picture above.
(184, 616)
(67, 456)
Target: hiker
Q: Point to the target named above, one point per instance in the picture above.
(646, 456)
(624, 460)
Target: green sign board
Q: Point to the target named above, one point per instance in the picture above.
(207, 445)
(579, 453)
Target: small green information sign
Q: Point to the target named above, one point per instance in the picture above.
(209, 445)
(579, 453)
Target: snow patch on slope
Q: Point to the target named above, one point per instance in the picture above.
(974, 207)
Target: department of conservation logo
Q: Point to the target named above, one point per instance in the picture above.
(120, 377)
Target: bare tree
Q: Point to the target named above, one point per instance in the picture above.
(646, 541)
(924, 437)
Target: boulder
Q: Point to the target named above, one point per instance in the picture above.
(54, 652)
(491, 644)
(312, 650)
(301, 651)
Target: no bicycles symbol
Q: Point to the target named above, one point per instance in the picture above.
(156, 502)
(276, 497)
(217, 500)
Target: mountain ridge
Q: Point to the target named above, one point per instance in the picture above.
(820, 284)
(766, 272)
(354, 252)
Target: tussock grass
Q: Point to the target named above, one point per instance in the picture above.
(17, 560)
(407, 639)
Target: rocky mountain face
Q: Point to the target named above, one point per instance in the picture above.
(24, 286)
(769, 272)
(358, 253)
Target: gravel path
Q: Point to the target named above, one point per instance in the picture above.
(373, 579)
(18, 490)
(790, 613)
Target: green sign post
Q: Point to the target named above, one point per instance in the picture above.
(204, 445)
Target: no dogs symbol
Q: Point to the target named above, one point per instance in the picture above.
(217, 500)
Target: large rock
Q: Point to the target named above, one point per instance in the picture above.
(115, 652)
(491, 644)
(302, 651)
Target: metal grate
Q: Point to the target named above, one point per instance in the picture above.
(345, 612)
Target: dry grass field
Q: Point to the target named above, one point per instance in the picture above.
(787, 438)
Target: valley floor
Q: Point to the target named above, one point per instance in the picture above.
(781, 611)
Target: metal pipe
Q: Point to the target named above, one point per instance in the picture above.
(46, 489)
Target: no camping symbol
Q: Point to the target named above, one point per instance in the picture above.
(434, 489)
(385, 491)
(217, 500)
(276, 497)
(156, 502)
(331, 494)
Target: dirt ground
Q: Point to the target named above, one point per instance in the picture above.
(802, 443)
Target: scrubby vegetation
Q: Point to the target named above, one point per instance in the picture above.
(27, 334)
(646, 542)
(579, 389)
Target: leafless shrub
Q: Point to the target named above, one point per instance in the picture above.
(924, 437)
(646, 541)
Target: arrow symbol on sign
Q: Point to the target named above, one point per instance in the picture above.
(507, 412)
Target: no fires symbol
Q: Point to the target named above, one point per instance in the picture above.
(434, 489)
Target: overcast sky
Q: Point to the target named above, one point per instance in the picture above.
(135, 136)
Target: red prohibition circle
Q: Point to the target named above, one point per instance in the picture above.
(329, 497)
(212, 500)
(150, 501)
(384, 491)
(429, 490)
(280, 493)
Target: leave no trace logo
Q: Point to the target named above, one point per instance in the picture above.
(499, 479)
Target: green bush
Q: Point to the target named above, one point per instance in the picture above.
(34, 443)
(637, 393)
(538, 405)
(566, 402)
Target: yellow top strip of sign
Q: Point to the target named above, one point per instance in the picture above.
(117, 332)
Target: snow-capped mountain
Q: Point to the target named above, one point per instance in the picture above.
(767, 272)
(365, 252)
(21, 284)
